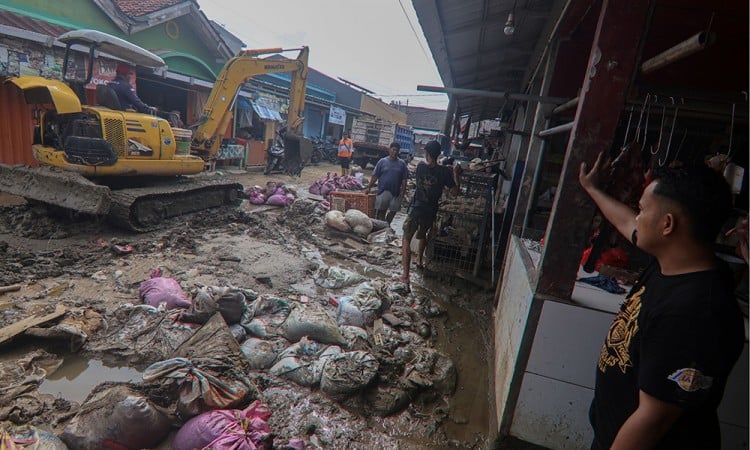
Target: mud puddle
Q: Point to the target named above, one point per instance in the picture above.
(459, 334)
(77, 375)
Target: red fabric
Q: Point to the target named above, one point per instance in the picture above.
(614, 257)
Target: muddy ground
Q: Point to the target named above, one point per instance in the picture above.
(64, 259)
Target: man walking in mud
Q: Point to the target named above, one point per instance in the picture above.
(431, 179)
(665, 361)
(391, 174)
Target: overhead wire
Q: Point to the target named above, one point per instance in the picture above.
(413, 30)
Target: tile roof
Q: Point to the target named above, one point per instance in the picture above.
(137, 8)
(27, 23)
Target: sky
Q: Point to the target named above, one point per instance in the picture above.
(367, 42)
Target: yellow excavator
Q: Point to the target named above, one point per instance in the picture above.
(124, 164)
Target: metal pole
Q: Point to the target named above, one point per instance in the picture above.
(556, 130)
(492, 94)
(572, 103)
(684, 49)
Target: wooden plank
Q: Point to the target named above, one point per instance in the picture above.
(613, 63)
(11, 288)
(19, 327)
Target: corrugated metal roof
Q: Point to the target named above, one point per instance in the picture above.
(472, 52)
(27, 23)
(138, 8)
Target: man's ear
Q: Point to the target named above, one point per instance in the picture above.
(668, 224)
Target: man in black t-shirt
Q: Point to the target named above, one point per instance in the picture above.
(431, 179)
(666, 358)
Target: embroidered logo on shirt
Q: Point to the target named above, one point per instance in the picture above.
(616, 348)
(690, 380)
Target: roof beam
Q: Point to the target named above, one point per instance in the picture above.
(492, 94)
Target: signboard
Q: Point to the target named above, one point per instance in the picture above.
(337, 116)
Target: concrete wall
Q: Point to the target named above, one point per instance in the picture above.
(510, 318)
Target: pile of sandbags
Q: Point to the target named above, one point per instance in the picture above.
(353, 220)
(275, 193)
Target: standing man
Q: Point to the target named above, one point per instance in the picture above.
(431, 179)
(391, 174)
(665, 361)
(345, 153)
(125, 93)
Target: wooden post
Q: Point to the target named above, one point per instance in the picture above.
(613, 63)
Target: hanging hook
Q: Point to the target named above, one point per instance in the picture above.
(627, 129)
(731, 131)
(640, 118)
(661, 128)
(671, 133)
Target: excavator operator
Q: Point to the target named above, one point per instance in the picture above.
(125, 93)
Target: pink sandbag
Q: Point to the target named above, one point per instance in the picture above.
(277, 200)
(159, 290)
(258, 199)
(226, 429)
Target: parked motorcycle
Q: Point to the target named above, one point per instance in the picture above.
(279, 159)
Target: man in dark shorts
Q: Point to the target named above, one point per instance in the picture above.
(431, 179)
(345, 154)
(664, 364)
(391, 174)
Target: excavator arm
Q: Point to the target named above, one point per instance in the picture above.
(217, 114)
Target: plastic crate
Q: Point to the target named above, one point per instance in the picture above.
(356, 200)
(476, 184)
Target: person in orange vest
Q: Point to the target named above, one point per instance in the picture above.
(345, 153)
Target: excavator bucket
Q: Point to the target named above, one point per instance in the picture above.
(297, 152)
(56, 187)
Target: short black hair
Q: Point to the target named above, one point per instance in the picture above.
(433, 149)
(395, 145)
(702, 193)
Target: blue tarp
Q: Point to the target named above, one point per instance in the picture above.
(266, 113)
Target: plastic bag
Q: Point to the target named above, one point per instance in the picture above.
(428, 368)
(335, 278)
(117, 416)
(349, 314)
(228, 301)
(234, 429)
(311, 320)
(159, 290)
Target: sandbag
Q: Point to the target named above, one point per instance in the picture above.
(303, 362)
(347, 373)
(386, 399)
(30, 438)
(234, 429)
(356, 338)
(428, 368)
(158, 290)
(335, 278)
(335, 219)
(209, 370)
(359, 222)
(228, 301)
(311, 320)
(278, 200)
(265, 316)
(117, 415)
(262, 353)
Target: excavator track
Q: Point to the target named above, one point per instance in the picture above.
(145, 209)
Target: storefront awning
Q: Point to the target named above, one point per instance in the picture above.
(266, 113)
